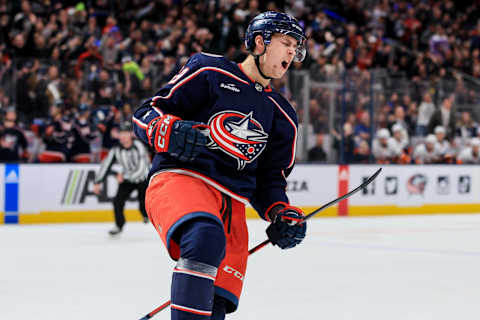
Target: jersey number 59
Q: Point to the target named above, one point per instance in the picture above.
(180, 74)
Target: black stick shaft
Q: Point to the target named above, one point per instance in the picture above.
(346, 195)
(325, 206)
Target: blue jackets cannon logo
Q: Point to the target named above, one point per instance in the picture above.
(238, 135)
(416, 184)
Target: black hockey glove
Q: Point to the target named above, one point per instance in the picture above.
(286, 231)
(182, 139)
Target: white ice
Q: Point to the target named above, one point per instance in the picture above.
(383, 268)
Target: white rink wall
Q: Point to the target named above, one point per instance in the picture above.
(39, 193)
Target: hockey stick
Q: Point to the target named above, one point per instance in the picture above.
(157, 310)
(310, 215)
(325, 206)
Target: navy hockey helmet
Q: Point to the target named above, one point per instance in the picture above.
(270, 22)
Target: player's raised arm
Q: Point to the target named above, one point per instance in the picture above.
(162, 121)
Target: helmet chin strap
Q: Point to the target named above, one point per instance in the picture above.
(257, 63)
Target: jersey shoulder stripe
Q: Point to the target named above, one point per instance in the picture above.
(196, 73)
(195, 66)
(284, 104)
(139, 123)
(294, 128)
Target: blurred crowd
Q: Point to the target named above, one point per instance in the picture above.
(71, 71)
(401, 79)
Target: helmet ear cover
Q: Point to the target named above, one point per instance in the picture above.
(254, 45)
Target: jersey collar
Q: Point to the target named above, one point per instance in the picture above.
(267, 89)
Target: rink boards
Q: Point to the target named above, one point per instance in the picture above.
(39, 193)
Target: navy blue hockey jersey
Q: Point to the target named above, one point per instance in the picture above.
(253, 130)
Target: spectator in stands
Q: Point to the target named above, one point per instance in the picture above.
(105, 119)
(57, 136)
(110, 48)
(344, 143)
(317, 153)
(362, 128)
(27, 81)
(425, 112)
(83, 134)
(398, 118)
(54, 85)
(444, 116)
(13, 144)
(439, 44)
(429, 45)
(467, 127)
(91, 55)
(362, 153)
(4, 100)
(317, 115)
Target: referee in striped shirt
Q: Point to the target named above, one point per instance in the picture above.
(133, 158)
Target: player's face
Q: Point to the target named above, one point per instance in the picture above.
(475, 150)
(429, 146)
(279, 55)
(10, 119)
(384, 142)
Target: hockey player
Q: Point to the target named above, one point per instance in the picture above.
(470, 155)
(382, 148)
(427, 152)
(399, 141)
(223, 139)
(443, 145)
(134, 162)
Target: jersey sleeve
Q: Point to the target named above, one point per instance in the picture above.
(276, 162)
(185, 94)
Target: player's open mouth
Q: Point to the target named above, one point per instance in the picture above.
(284, 64)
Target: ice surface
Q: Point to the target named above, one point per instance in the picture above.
(395, 268)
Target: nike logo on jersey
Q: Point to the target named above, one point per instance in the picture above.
(229, 86)
(238, 135)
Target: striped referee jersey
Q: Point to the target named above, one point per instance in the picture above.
(134, 162)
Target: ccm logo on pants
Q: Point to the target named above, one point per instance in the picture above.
(236, 273)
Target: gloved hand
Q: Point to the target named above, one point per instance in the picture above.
(181, 139)
(285, 230)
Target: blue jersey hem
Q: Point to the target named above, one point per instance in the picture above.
(233, 305)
